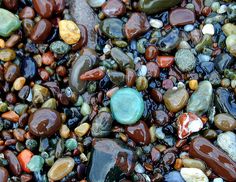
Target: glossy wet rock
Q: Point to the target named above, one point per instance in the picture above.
(27, 13)
(181, 16)
(81, 65)
(11, 73)
(44, 122)
(114, 8)
(193, 174)
(185, 60)
(59, 6)
(230, 44)
(112, 28)
(13, 162)
(223, 61)
(155, 6)
(139, 133)
(28, 67)
(41, 31)
(115, 160)
(136, 26)
(102, 125)
(200, 100)
(220, 163)
(7, 55)
(96, 3)
(59, 47)
(28, 26)
(8, 23)
(161, 118)
(116, 77)
(3, 174)
(225, 122)
(44, 7)
(176, 99)
(127, 113)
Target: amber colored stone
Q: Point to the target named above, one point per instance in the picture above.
(61, 71)
(114, 8)
(139, 133)
(156, 95)
(10, 4)
(165, 61)
(181, 16)
(151, 52)
(59, 6)
(41, 31)
(198, 5)
(3, 174)
(47, 58)
(83, 38)
(13, 40)
(11, 73)
(27, 13)
(92, 75)
(153, 70)
(136, 25)
(13, 162)
(130, 77)
(218, 161)
(11, 116)
(44, 7)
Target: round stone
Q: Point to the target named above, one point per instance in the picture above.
(127, 106)
(225, 122)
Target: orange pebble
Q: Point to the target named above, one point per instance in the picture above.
(11, 116)
(178, 164)
(24, 158)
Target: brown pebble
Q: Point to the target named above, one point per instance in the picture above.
(27, 13)
(44, 7)
(160, 117)
(13, 40)
(151, 52)
(3, 174)
(156, 95)
(13, 162)
(130, 77)
(59, 6)
(11, 73)
(83, 38)
(153, 70)
(19, 134)
(114, 8)
(181, 16)
(10, 4)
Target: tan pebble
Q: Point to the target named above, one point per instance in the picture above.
(193, 84)
(19, 83)
(2, 44)
(64, 131)
(82, 129)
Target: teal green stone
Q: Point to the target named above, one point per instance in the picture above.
(8, 23)
(127, 106)
(36, 163)
(71, 144)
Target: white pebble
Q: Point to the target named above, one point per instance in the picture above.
(208, 29)
(139, 169)
(188, 28)
(222, 9)
(193, 175)
(155, 23)
(107, 49)
(218, 180)
(142, 71)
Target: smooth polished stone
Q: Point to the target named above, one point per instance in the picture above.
(127, 106)
(3, 174)
(28, 67)
(225, 122)
(114, 8)
(8, 23)
(193, 174)
(27, 13)
(13, 162)
(44, 7)
(35, 163)
(112, 28)
(181, 16)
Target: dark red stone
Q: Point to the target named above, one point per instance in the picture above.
(44, 7)
(13, 162)
(114, 8)
(10, 4)
(27, 13)
(153, 70)
(151, 52)
(156, 95)
(167, 84)
(59, 6)
(198, 5)
(130, 77)
(160, 117)
(181, 16)
(92, 75)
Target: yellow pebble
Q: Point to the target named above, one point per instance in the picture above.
(82, 129)
(19, 83)
(193, 84)
(64, 131)
(2, 44)
(69, 31)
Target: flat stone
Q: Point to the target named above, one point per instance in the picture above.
(223, 61)
(225, 122)
(181, 16)
(127, 106)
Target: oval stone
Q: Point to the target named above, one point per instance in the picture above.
(61, 168)
(13, 162)
(225, 122)
(44, 122)
(181, 16)
(3, 174)
(114, 8)
(28, 68)
(112, 28)
(44, 7)
(127, 106)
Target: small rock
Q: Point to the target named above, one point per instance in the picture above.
(114, 8)
(112, 28)
(59, 47)
(19, 83)
(225, 122)
(229, 29)
(7, 55)
(43, 7)
(194, 163)
(71, 144)
(208, 29)
(36, 163)
(193, 174)
(96, 3)
(181, 16)
(82, 129)
(40, 94)
(230, 44)
(3, 174)
(185, 60)
(174, 176)
(155, 23)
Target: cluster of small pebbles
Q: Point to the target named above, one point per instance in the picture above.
(117, 90)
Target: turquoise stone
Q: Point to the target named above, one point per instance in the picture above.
(71, 144)
(35, 163)
(8, 23)
(127, 106)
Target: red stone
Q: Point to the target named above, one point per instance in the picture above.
(47, 58)
(130, 77)
(153, 70)
(92, 75)
(27, 13)
(156, 95)
(206, 11)
(151, 52)
(139, 133)
(114, 8)
(10, 4)
(44, 7)
(59, 6)
(181, 16)
(165, 61)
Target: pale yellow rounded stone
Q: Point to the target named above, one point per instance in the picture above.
(19, 83)
(69, 31)
(82, 129)
(61, 168)
(64, 131)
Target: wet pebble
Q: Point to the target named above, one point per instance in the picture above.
(3, 174)
(185, 60)
(181, 16)
(13, 162)
(193, 174)
(225, 122)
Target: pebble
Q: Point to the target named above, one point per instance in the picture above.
(85, 109)
(59, 47)
(193, 174)
(64, 131)
(200, 100)
(12, 72)
(155, 23)
(165, 61)
(82, 129)
(227, 142)
(176, 99)
(114, 8)
(102, 125)
(44, 122)
(229, 29)
(36, 163)
(185, 60)
(124, 113)
(8, 23)
(7, 55)
(13, 163)
(230, 44)
(96, 3)
(208, 29)
(220, 163)
(223, 61)
(153, 70)
(71, 144)
(225, 122)
(40, 94)
(188, 28)
(181, 16)
(27, 13)
(193, 84)
(61, 168)
(174, 176)
(43, 7)
(112, 28)
(3, 174)
(19, 83)
(194, 163)
(69, 31)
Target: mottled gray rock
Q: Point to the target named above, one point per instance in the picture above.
(185, 60)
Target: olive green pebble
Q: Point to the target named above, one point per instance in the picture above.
(19, 146)
(79, 101)
(91, 87)
(71, 144)
(85, 109)
(141, 45)
(3, 107)
(50, 160)
(59, 47)
(31, 144)
(141, 83)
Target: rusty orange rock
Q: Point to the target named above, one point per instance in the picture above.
(92, 75)
(11, 116)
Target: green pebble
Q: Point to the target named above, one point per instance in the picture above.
(35, 163)
(85, 109)
(79, 101)
(141, 45)
(50, 103)
(50, 161)
(31, 144)
(8, 23)
(71, 144)
(141, 83)
(91, 87)
(3, 107)
(205, 42)
(127, 106)
(59, 47)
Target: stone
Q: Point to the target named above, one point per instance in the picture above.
(188, 123)
(83, 38)
(102, 125)
(71, 144)
(176, 99)
(7, 55)
(93, 75)
(169, 41)
(41, 31)
(40, 94)
(28, 68)
(19, 83)
(12, 72)
(82, 129)
(230, 44)
(44, 122)
(28, 26)
(198, 6)
(81, 65)
(59, 47)
(227, 142)
(174, 176)
(156, 6)
(165, 61)
(59, 6)
(185, 60)
(139, 133)
(114, 8)
(112, 28)
(13, 163)
(225, 122)
(44, 7)
(193, 174)
(181, 16)
(8, 23)
(223, 61)
(155, 23)
(194, 163)
(96, 3)
(208, 29)
(200, 100)
(3, 174)
(217, 160)
(122, 59)
(116, 77)
(27, 13)
(115, 155)
(229, 29)
(85, 109)
(206, 41)
(124, 113)
(136, 26)
(69, 31)
(61, 168)
(153, 70)
(151, 52)
(161, 118)
(36, 163)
